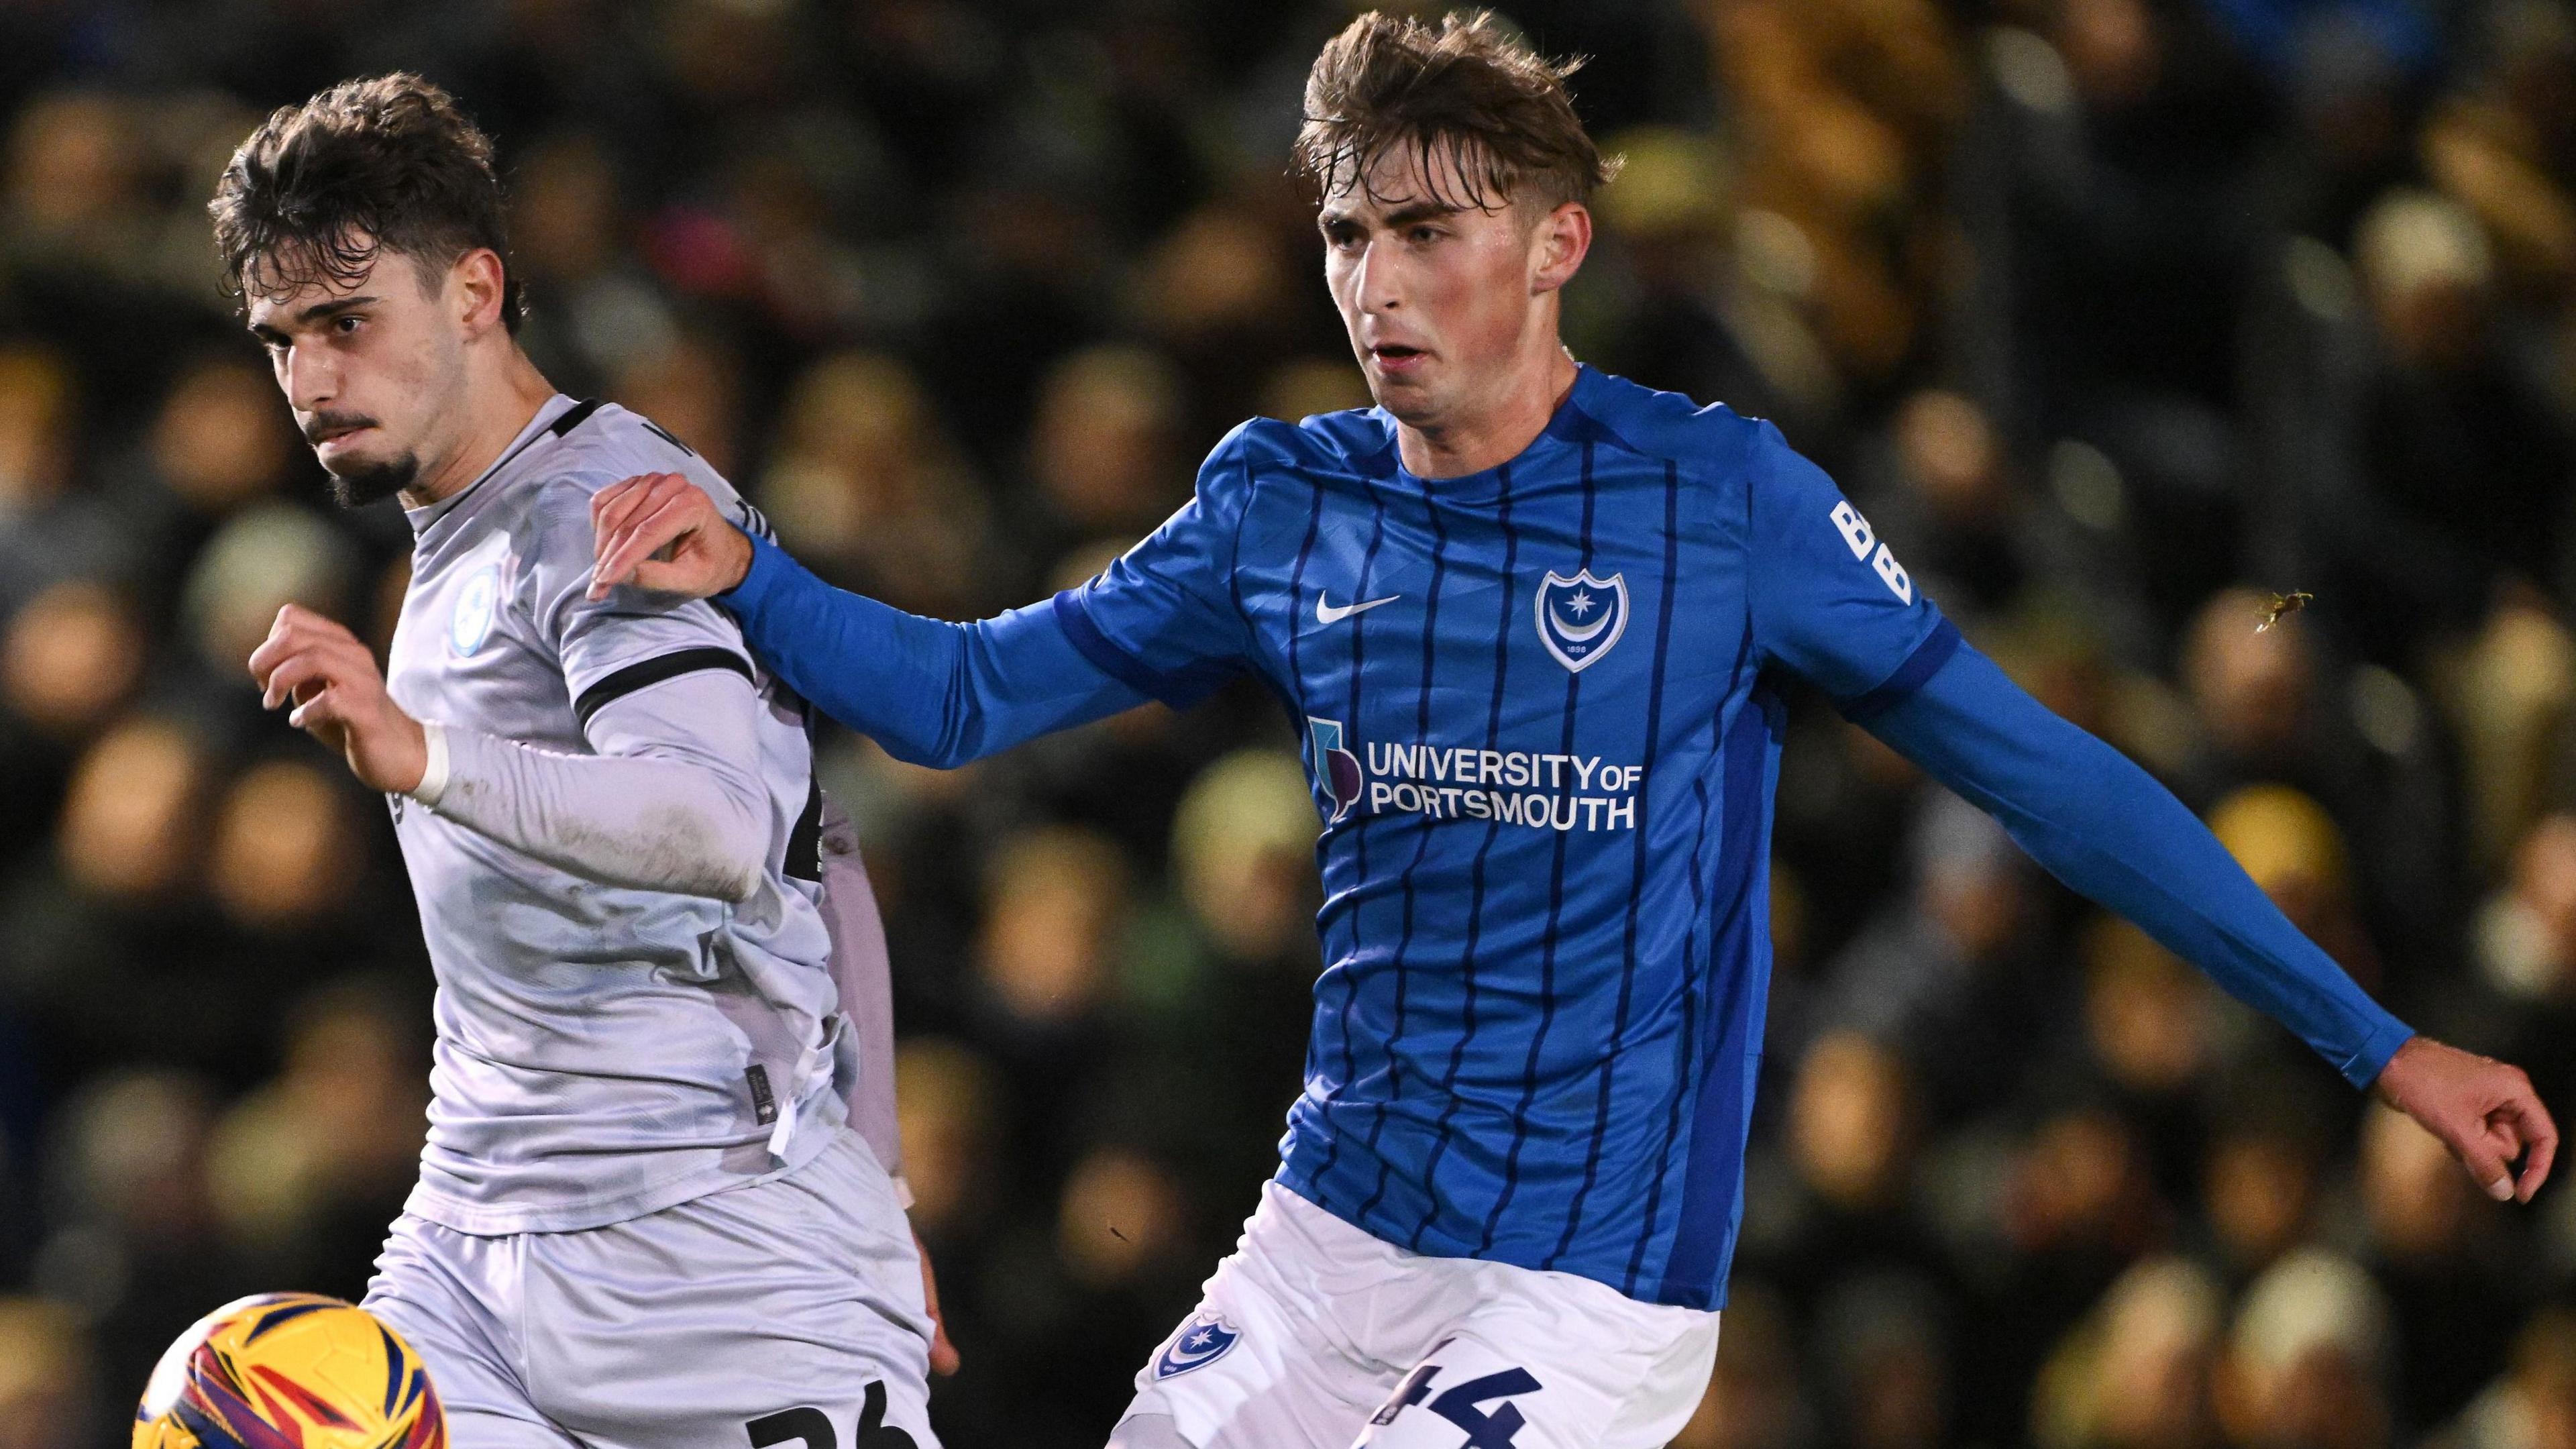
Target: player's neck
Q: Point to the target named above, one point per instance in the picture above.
(1500, 429)
(498, 407)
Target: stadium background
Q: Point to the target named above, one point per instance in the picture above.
(2112, 314)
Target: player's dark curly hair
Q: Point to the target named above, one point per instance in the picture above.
(387, 164)
(1470, 88)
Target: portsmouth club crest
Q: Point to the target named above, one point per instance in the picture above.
(1202, 1341)
(1581, 617)
(1335, 765)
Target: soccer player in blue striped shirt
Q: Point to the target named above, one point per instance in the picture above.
(1531, 622)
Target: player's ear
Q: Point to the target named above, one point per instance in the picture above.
(478, 281)
(1558, 245)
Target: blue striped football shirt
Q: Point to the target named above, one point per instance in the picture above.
(1540, 713)
(1539, 706)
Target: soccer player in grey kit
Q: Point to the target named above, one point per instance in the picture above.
(658, 1205)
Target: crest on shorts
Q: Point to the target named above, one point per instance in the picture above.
(1581, 617)
(1202, 1341)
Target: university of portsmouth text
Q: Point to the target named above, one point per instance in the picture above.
(1541, 791)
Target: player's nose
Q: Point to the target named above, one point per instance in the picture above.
(1373, 281)
(310, 381)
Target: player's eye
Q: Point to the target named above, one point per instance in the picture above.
(1424, 233)
(346, 323)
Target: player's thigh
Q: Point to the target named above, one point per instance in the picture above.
(1265, 1359)
(434, 1287)
(789, 1313)
(1519, 1375)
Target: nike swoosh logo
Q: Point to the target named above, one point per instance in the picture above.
(1325, 613)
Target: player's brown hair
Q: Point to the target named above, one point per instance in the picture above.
(386, 164)
(1470, 88)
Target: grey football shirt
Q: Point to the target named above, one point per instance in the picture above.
(602, 1052)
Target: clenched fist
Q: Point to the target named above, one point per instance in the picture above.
(339, 696)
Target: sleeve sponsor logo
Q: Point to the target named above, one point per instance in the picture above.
(1866, 547)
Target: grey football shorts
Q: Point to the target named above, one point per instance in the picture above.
(785, 1313)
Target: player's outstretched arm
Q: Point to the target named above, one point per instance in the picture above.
(2105, 827)
(932, 693)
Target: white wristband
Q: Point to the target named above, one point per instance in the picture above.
(433, 776)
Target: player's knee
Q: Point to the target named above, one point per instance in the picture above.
(1148, 1431)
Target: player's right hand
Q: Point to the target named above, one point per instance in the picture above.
(339, 696)
(2483, 1110)
(662, 533)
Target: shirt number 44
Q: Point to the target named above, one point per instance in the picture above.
(1458, 1405)
(1866, 547)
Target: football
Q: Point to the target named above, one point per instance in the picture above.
(289, 1371)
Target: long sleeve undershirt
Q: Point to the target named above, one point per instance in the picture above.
(665, 804)
(943, 694)
(2106, 828)
(932, 693)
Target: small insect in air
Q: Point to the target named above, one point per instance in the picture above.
(2278, 606)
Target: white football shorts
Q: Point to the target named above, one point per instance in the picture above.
(788, 1312)
(1315, 1333)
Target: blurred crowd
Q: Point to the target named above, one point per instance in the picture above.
(2124, 320)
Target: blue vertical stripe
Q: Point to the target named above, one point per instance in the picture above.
(1685, 1048)
(1553, 931)
(1296, 612)
(1636, 871)
(1686, 1045)
(1713, 1184)
(1443, 1128)
(1359, 834)
(1296, 683)
(1421, 846)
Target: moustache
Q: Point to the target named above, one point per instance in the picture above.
(323, 426)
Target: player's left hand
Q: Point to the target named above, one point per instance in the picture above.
(943, 1354)
(2483, 1110)
(339, 696)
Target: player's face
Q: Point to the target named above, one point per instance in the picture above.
(1442, 301)
(373, 368)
